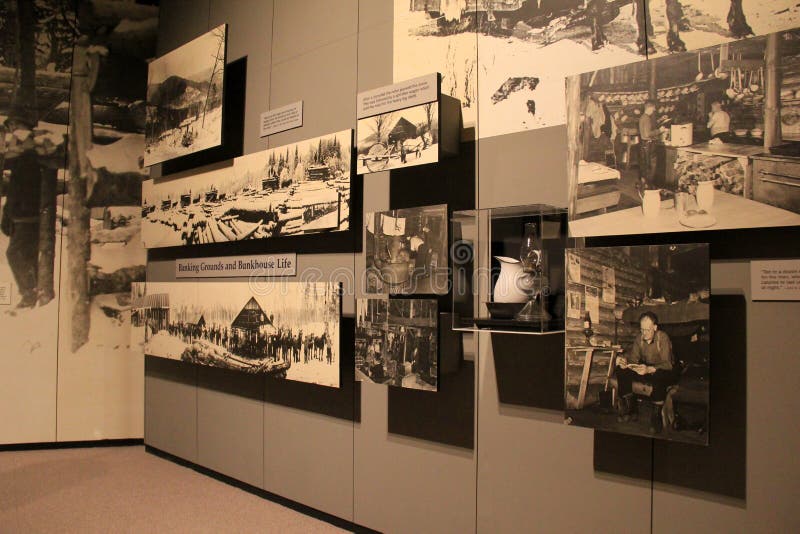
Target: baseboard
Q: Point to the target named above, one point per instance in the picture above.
(264, 494)
(127, 442)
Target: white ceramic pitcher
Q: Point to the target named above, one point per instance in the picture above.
(513, 284)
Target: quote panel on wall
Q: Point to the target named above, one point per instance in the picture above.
(638, 341)
(506, 60)
(687, 141)
(185, 98)
(287, 330)
(297, 189)
(397, 342)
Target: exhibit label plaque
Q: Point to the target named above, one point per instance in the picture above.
(271, 265)
(414, 92)
(282, 119)
(775, 279)
(5, 293)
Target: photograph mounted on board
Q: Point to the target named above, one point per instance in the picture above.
(184, 98)
(398, 139)
(287, 330)
(407, 251)
(704, 140)
(297, 189)
(519, 46)
(637, 361)
(397, 342)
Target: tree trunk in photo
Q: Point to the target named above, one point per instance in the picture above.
(573, 140)
(773, 135)
(84, 75)
(47, 235)
(24, 114)
(25, 105)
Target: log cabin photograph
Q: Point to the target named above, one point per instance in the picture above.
(702, 140)
(637, 347)
(398, 139)
(286, 330)
(184, 98)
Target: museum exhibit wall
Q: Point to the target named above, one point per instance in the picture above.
(525, 467)
(65, 380)
(396, 462)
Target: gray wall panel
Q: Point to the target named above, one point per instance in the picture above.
(408, 485)
(773, 473)
(250, 35)
(309, 458)
(302, 26)
(535, 471)
(523, 168)
(170, 411)
(230, 424)
(325, 80)
(181, 21)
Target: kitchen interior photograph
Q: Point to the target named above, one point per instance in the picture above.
(708, 139)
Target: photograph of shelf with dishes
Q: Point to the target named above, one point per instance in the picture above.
(637, 347)
(708, 139)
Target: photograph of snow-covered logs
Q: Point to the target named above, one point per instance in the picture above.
(301, 188)
(184, 99)
(285, 330)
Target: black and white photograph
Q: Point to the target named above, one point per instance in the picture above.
(406, 251)
(397, 342)
(185, 97)
(282, 329)
(398, 139)
(638, 363)
(688, 141)
(296, 189)
(72, 172)
(509, 55)
(72, 113)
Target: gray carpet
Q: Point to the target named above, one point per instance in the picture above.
(125, 489)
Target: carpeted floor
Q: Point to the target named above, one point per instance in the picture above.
(125, 489)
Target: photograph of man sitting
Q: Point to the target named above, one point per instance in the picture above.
(651, 365)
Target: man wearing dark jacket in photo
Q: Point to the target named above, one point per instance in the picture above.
(20, 220)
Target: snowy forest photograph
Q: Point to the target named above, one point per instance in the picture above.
(301, 188)
(397, 139)
(184, 98)
(72, 92)
(509, 54)
(284, 329)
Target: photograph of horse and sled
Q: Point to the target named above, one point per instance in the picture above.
(398, 139)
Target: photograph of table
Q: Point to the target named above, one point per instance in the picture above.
(731, 212)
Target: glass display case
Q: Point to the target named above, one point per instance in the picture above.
(508, 269)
